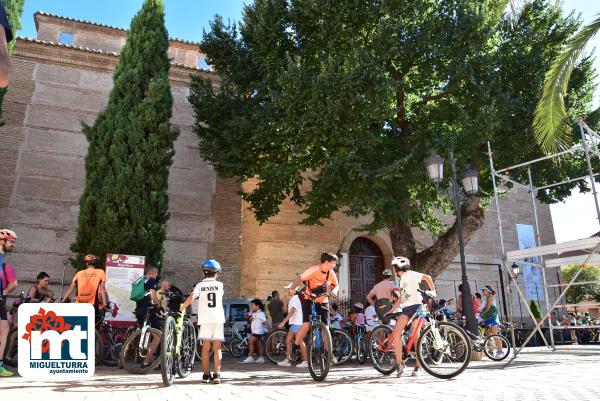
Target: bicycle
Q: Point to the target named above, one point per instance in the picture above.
(488, 344)
(342, 347)
(110, 339)
(136, 347)
(178, 347)
(239, 345)
(319, 345)
(276, 347)
(440, 345)
(11, 351)
(360, 347)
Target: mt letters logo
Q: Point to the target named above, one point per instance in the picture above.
(56, 340)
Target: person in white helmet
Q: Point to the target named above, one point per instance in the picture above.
(382, 289)
(408, 282)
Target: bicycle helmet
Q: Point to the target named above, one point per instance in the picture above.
(386, 273)
(211, 265)
(359, 305)
(401, 263)
(7, 234)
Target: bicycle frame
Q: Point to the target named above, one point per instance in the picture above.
(388, 344)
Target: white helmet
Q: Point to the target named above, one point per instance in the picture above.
(401, 263)
(7, 234)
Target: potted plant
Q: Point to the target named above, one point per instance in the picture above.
(535, 310)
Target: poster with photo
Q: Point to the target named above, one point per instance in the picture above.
(121, 272)
(532, 275)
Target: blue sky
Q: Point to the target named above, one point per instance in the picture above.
(185, 19)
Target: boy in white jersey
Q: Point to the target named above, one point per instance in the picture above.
(211, 317)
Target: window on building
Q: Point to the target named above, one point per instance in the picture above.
(66, 38)
(202, 64)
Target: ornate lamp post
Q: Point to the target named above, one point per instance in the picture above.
(435, 169)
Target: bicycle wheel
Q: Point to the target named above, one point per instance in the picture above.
(381, 350)
(11, 351)
(111, 352)
(237, 348)
(167, 351)
(496, 347)
(132, 355)
(361, 352)
(275, 346)
(341, 346)
(319, 352)
(447, 357)
(187, 353)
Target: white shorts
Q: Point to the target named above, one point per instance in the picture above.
(211, 332)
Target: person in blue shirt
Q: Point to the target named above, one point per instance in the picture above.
(6, 35)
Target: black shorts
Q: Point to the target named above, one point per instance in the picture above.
(153, 320)
(410, 310)
(257, 336)
(321, 309)
(3, 314)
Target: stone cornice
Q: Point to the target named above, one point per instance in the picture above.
(94, 26)
(93, 59)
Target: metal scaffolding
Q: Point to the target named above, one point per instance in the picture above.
(589, 146)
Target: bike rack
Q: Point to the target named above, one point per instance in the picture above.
(591, 245)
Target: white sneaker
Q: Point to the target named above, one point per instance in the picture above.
(499, 354)
(249, 359)
(260, 359)
(285, 363)
(303, 364)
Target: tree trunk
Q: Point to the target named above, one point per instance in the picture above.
(436, 258)
(403, 241)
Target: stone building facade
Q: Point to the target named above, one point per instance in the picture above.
(64, 76)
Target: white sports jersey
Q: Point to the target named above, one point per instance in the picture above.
(209, 293)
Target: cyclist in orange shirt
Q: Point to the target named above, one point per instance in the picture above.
(90, 282)
(320, 279)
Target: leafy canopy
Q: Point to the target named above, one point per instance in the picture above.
(335, 105)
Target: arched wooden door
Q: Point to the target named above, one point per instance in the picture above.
(366, 267)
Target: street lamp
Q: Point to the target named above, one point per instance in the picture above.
(516, 269)
(435, 171)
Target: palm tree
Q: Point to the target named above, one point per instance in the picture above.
(551, 125)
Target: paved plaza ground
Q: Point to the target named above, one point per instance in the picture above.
(571, 373)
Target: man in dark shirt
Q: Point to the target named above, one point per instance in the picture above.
(276, 309)
(6, 35)
(148, 303)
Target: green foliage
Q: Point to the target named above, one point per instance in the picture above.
(14, 10)
(535, 309)
(578, 293)
(552, 123)
(335, 105)
(124, 206)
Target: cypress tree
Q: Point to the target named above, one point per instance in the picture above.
(124, 206)
(14, 9)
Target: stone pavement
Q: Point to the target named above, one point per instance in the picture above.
(571, 373)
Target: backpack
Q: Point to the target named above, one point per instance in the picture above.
(138, 290)
(87, 294)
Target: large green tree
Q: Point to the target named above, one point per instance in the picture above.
(578, 293)
(350, 98)
(124, 206)
(14, 10)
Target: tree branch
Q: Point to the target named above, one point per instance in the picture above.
(423, 102)
(434, 259)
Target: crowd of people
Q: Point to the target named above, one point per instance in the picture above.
(317, 284)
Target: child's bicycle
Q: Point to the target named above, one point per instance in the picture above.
(442, 348)
(240, 343)
(178, 347)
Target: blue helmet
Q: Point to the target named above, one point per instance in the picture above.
(211, 265)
